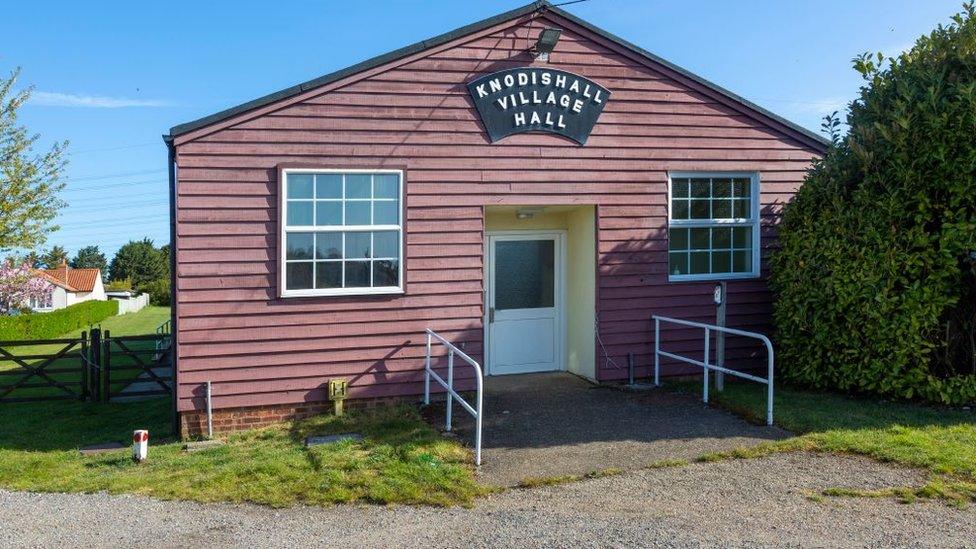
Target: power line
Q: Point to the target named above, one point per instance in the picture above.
(111, 175)
(114, 148)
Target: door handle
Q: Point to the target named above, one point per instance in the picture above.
(491, 315)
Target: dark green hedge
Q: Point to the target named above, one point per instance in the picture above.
(56, 323)
(874, 281)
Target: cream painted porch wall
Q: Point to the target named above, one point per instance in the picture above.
(579, 222)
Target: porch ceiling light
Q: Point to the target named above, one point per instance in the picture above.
(528, 212)
(546, 43)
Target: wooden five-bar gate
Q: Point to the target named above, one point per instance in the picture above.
(95, 367)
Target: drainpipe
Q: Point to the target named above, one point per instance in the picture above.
(174, 329)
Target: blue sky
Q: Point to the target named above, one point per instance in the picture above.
(111, 77)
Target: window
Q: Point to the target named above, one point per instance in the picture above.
(43, 303)
(341, 232)
(713, 226)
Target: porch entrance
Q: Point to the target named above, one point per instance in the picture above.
(525, 301)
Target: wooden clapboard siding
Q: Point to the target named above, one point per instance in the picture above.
(415, 113)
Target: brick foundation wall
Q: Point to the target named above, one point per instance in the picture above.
(194, 424)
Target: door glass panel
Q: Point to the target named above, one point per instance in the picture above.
(524, 274)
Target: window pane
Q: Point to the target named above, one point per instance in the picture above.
(721, 209)
(743, 209)
(742, 187)
(679, 188)
(524, 274)
(742, 261)
(385, 273)
(386, 186)
(678, 239)
(328, 185)
(298, 276)
(386, 213)
(722, 237)
(328, 213)
(299, 185)
(299, 213)
(700, 209)
(358, 185)
(678, 263)
(357, 274)
(357, 245)
(299, 246)
(357, 213)
(699, 239)
(721, 262)
(721, 188)
(386, 244)
(328, 274)
(679, 209)
(328, 246)
(700, 188)
(699, 263)
(742, 237)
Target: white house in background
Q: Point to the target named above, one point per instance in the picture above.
(70, 286)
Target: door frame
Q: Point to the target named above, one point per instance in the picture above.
(560, 236)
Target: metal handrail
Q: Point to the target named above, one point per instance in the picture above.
(449, 386)
(768, 380)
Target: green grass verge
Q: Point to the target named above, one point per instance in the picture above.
(400, 460)
(941, 441)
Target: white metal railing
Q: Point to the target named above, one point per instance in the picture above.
(429, 372)
(709, 328)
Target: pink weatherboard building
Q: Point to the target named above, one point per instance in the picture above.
(530, 187)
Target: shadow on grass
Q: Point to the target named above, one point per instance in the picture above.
(67, 425)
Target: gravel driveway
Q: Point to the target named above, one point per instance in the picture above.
(746, 503)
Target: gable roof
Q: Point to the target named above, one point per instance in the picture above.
(72, 280)
(811, 138)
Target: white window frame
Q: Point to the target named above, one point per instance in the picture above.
(284, 229)
(753, 221)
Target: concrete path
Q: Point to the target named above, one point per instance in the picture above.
(542, 425)
(741, 503)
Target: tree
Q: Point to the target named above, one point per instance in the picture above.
(139, 261)
(55, 257)
(29, 182)
(18, 285)
(90, 257)
(875, 279)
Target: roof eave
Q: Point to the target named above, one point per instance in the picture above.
(820, 140)
(187, 127)
(817, 141)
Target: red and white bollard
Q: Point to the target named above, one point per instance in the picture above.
(140, 445)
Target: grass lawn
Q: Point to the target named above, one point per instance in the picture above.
(942, 441)
(400, 460)
(140, 323)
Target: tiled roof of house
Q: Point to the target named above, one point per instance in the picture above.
(73, 280)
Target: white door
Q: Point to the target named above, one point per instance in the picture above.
(524, 303)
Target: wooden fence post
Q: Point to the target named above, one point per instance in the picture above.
(96, 364)
(106, 366)
(84, 366)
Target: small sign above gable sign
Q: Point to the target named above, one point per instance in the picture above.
(538, 99)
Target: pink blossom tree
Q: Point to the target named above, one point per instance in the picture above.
(18, 285)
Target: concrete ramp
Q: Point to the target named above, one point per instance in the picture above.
(544, 425)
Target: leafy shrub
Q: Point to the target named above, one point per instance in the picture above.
(119, 285)
(158, 291)
(56, 323)
(874, 281)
